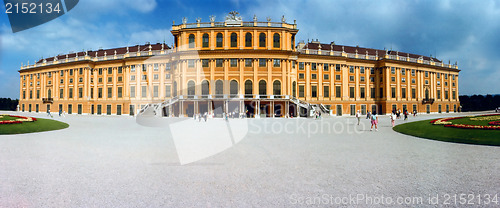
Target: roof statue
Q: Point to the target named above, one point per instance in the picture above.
(212, 18)
(268, 19)
(232, 16)
(184, 20)
(198, 20)
(255, 18)
(283, 19)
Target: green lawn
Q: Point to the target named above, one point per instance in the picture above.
(29, 127)
(425, 129)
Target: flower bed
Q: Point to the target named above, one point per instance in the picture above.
(491, 117)
(443, 121)
(494, 123)
(20, 119)
(467, 126)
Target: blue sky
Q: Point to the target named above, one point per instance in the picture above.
(464, 31)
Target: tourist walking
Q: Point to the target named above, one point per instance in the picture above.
(60, 112)
(358, 116)
(48, 113)
(393, 119)
(368, 115)
(374, 121)
(406, 114)
(205, 116)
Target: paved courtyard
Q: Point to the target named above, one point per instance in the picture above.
(112, 161)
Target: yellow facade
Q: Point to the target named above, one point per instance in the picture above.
(256, 60)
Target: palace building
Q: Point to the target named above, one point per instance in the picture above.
(254, 68)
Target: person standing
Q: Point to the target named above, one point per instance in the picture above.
(205, 116)
(60, 112)
(406, 114)
(358, 116)
(368, 115)
(374, 121)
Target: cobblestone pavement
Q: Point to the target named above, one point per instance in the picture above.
(112, 161)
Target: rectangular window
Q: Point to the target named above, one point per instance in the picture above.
(108, 109)
(155, 76)
(155, 91)
(276, 62)
(438, 83)
(372, 79)
(372, 71)
(413, 94)
(167, 76)
(313, 76)
(62, 81)
(248, 62)
(118, 109)
(413, 81)
(99, 109)
(403, 71)
(120, 79)
(313, 66)
(293, 64)
(100, 80)
(110, 70)
(144, 91)
(393, 79)
(351, 69)
(131, 110)
(70, 109)
(132, 77)
(362, 78)
(351, 78)
(337, 67)
(426, 82)
(362, 92)
(372, 92)
(37, 94)
(301, 91)
(326, 76)
(453, 95)
(99, 93)
(132, 91)
(132, 68)
(403, 80)
(438, 75)
(426, 74)
(301, 65)
(80, 92)
(393, 92)
(352, 92)
(362, 69)
(413, 72)
(233, 62)
(120, 92)
(167, 66)
(438, 94)
(314, 91)
(301, 75)
(167, 91)
(403, 92)
(325, 67)
(219, 62)
(262, 62)
(338, 93)
(79, 109)
(144, 68)
(381, 92)
(155, 67)
(110, 92)
(393, 70)
(71, 72)
(70, 93)
(80, 71)
(191, 63)
(92, 93)
(144, 77)
(204, 63)
(120, 70)
(326, 91)
(110, 79)
(453, 77)
(337, 77)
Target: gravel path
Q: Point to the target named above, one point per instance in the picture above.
(112, 161)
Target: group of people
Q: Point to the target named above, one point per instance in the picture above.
(373, 119)
(61, 113)
(201, 116)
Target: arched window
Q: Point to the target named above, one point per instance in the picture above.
(248, 40)
(191, 88)
(205, 87)
(262, 87)
(276, 40)
(277, 87)
(294, 89)
(219, 87)
(205, 41)
(220, 40)
(175, 89)
(191, 41)
(248, 87)
(262, 40)
(233, 88)
(234, 40)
